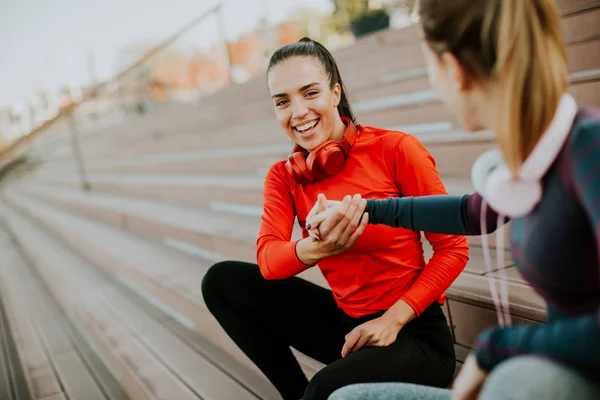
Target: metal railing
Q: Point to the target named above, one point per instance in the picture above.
(16, 149)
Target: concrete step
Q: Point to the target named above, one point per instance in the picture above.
(14, 377)
(454, 153)
(193, 190)
(236, 195)
(59, 361)
(210, 238)
(166, 277)
(149, 358)
(468, 294)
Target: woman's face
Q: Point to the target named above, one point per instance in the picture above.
(305, 105)
(458, 91)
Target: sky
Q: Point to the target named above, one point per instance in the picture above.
(47, 44)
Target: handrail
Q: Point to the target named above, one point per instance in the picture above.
(12, 148)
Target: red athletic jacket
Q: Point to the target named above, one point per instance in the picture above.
(386, 264)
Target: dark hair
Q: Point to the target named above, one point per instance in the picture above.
(307, 47)
(515, 42)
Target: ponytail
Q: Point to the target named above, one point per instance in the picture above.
(532, 70)
(518, 45)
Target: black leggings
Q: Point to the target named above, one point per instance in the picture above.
(266, 317)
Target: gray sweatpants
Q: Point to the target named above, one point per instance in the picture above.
(520, 378)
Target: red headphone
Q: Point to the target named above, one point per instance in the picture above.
(325, 160)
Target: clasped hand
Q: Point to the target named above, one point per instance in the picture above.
(326, 215)
(337, 225)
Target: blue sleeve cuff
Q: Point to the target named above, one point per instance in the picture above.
(484, 352)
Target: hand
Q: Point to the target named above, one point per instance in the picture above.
(380, 331)
(469, 381)
(320, 207)
(344, 226)
(323, 210)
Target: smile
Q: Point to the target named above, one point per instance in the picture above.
(306, 128)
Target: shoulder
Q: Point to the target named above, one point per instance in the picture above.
(389, 139)
(585, 135)
(277, 175)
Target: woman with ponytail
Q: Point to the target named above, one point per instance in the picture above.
(501, 65)
(381, 320)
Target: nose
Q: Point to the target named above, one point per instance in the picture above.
(299, 110)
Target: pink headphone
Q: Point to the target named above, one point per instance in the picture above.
(516, 198)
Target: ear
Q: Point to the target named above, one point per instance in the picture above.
(456, 71)
(337, 94)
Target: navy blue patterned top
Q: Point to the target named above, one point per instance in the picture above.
(556, 248)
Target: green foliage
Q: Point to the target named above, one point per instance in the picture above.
(346, 11)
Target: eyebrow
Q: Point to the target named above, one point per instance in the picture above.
(303, 88)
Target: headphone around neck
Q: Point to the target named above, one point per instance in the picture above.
(516, 198)
(325, 160)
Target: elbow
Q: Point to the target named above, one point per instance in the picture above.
(455, 247)
(266, 271)
(263, 264)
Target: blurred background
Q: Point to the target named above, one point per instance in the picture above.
(134, 140)
(58, 54)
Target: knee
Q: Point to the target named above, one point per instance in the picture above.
(523, 377)
(222, 278)
(352, 392)
(321, 386)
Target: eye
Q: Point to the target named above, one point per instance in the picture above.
(281, 103)
(312, 93)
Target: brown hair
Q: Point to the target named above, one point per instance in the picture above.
(515, 42)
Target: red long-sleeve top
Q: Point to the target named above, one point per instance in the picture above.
(385, 264)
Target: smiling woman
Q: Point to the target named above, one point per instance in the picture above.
(309, 96)
(382, 319)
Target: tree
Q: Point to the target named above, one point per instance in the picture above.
(347, 10)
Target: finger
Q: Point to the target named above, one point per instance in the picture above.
(314, 221)
(346, 219)
(359, 231)
(313, 211)
(322, 200)
(361, 342)
(335, 217)
(356, 218)
(314, 235)
(333, 203)
(351, 339)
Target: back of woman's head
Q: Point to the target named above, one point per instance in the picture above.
(309, 48)
(515, 43)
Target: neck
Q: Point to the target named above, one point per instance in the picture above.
(338, 130)
(487, 109)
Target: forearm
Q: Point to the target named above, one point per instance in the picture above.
(277, 259)
(436, 213)
(446, 264)
(400, 314)
(574, 342)
(448, 214)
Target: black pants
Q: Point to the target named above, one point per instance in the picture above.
(266, 317)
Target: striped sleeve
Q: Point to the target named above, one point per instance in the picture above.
(572, 341)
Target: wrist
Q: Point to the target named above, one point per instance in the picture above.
(309, 252)
(401, 313)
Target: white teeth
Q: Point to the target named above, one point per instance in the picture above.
(306, 127)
